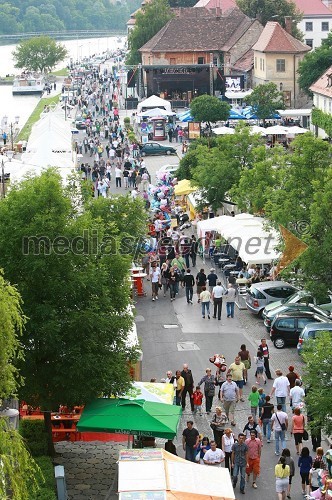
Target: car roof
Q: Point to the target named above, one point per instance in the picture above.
(271, 284)
(319, 326)
(301, 314)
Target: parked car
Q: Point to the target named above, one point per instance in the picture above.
(286, 328)
(166, 169)
(285, 308)
(80, 123)
(311, 331)
(302, 297)
(154, 148)
(261, 294)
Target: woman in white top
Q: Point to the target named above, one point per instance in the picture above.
(227, 442)
(205, 298)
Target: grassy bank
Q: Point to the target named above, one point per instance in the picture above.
(34, 117)
(60, 72)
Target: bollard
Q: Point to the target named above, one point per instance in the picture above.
(59, 474)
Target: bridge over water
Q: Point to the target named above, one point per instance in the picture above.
(62, 35)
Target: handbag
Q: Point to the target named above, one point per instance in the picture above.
(305, 435)
(283, 425)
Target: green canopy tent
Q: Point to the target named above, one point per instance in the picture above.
(137, 417)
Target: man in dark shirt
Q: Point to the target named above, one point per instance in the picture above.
(200, 282)
(188, 281)
(188, 386)
(190, 440)
(212, 279)
(267, 410)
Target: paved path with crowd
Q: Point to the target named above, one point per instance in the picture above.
(172, 334)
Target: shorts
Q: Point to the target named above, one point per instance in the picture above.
(246, 363)
(239, 383)
(199, 289)
(253, 466)
(281, 484)
(298, 436)
(229, 407)
(260, 369)
(305, 478)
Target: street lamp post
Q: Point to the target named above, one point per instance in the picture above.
(12, 127)
(9, 155)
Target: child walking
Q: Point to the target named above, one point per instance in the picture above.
(197, 400)
(259, 360)
(262, 401)
(254, 401)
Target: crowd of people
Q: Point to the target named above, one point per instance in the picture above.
(241, 452)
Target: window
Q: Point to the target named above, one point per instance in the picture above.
(302, 322)
(286, 323)
(325, 26)
(308, 27)
(261, 66)
(201, 60)
(263, 62)
(255, 62)
(309, 42)
(281, 65)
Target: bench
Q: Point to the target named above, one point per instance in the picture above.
(74, 434)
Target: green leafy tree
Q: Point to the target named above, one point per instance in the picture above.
(317, 375)
(74, 283)
(149, 20)
(210, 109)
(265, 100)
(314, 64)
(39, 54)
(219, 168)
(269, 10)
(19, 474)
(190, 160)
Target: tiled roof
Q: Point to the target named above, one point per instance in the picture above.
(321, 86)
(275, 39)
(312, 7)
(212, 4)
(189, 34)
(245, 63)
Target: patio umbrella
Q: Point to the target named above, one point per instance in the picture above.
(184, 187)
(234, 115)
(296, 130)
(223, 130)
(276, 130)
(156, 112)
(138, 417)
(255, 129)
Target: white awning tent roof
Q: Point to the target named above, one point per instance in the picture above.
(50, 144)
(170, 477)
(238, 94)
(294, 112)
(246, 234)
(156, 112)
(154, 102)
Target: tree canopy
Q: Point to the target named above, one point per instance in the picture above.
(318, 379)
(314, 64)
(74, 284)
(149, 20)
(39, 54)
(265, 100)
(207, 108)
(61, 15)
(270, 10)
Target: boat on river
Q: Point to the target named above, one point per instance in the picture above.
(28, 84)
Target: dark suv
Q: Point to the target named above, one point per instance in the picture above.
(286, 328)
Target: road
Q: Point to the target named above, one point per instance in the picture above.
(174, 333)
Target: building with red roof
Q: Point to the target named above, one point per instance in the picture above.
(316, 23)
(276, 59)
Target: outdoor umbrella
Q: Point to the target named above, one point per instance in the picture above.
(156, 112)
(184, 187)
(234, 115)
(138, 417)
(276, 130)
(223, 130)
(297, 130)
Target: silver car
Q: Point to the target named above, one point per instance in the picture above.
(265, 292)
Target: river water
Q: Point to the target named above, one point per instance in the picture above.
(22, 106)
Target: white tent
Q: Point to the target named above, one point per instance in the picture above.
(155, 473)
(276, 130)
(156, 112)
(255, 129)
(297, 130)
(246, 234)
(154, 102)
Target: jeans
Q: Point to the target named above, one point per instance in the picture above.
(177, 399)
(184, 394)
(280, 435)
(242, 470)
(267, 428)
(118, 181)
(282, 401)
(208, 402)
(230, 309)
(189, 293)
(172, 290)
(191, 453)
(217, 305)
(205, 305)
